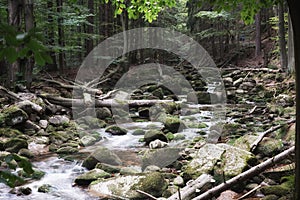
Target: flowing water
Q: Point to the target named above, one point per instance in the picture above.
(60, 174)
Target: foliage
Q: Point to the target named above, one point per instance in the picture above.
(12, 161)
(248, 7)
(148, 9)
(16, 45)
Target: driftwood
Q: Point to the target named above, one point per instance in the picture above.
(67, 102)
(192, 187)
(263, 134)
(245, 175)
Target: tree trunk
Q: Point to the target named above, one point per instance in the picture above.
(29, 24)
(90, 29)
(294, 8)
(258, 34)
(291, 56)
(281, 34)
(14, 19)
(51, 37)
(61, 42)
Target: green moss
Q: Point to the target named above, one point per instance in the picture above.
(154, 184)
(9, 132)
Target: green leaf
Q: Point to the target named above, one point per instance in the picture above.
(39, 59)
(10, 54)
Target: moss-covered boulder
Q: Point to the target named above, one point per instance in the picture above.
(154, 134)
(67, 150)
(103, 113)
(116, 130)
(88, 177)
(173, 124)
(14, 145)
(116, 186)
(153, 183)
(101, 155)
(219, 159)
(270, 146)
(88, 140)
(126, 186)
(12, 115)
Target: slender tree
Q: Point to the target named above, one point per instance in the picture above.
(281, 34)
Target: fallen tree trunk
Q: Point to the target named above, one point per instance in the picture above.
(67, 102)
(190, 189)
(245, 175)
(263, 134)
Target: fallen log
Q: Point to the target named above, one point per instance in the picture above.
(67, 102)
(191, 188)
(245, 175)
(263, 134)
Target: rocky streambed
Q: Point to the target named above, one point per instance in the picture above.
(161, 149)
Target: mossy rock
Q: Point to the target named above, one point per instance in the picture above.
(15, 144)
(45, 188)
(154, 184)
(116, 130)
(173, 124)
(101, 155)
(138, 132)
(10, 132)
(67, 150)
(13, 115)
(88, 177)
(153, 134)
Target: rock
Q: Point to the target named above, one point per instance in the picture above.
(43, 123)
(26, 153)
(200, 97)
(88, 140)
(59, 120)
(178, 181)
(12, 116)
(158, 93)
(270, 147)
(154, 184)
(138, 132)
(160, 157)
(157, 144)
(108, 168)
(245, 141)
(25, 190)
(45, 188)
(152, 168)
(88, 177)
(91, 122)
(116, 130)
(101, 155)
(118, 186)
(271, 197)
(228, 195)
(131, 170)
(67, 150)
(173, 124)
(153, 134)
(144, 113)
(219, 158)
(15, 144)
(103, 113)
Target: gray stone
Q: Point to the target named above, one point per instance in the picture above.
(59, 120)
(88, 177)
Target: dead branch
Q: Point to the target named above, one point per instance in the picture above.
(147, 194)
(66, 102)
(191, 188)
(74, 87)
(245, 175)
(263, 134)
(9, 94)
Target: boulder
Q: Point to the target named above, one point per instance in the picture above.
(101, 155)
(88, 177)
(12, 116)
(153, 134)
(219, 159)
(88, 140)
(126, 186)
(116, 130)
(103, 113)
(14, 145)
(59, 120)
